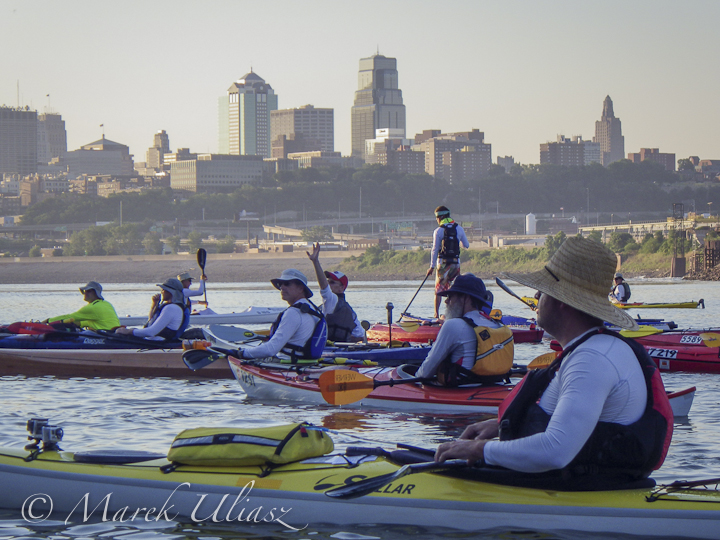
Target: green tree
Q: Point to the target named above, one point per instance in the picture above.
(316, 234)
(227, 245)
(152, 243)
(596, 236)
(123, 240)
(195, 239)
(552, 243)
(35, 251)
(618, 241)
(173, 242)
(685, 165)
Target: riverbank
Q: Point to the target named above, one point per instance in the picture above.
(247, 267)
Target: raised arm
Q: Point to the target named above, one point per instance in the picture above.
(315, 258)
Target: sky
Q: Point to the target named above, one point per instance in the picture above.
(520, 71)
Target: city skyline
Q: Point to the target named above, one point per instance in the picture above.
(521, 72)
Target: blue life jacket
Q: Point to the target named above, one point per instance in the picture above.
(314, 346)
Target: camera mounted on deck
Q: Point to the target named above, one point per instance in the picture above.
(41, 432)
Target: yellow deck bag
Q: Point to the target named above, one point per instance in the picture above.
(238, 447)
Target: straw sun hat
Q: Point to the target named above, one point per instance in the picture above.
(578, 275)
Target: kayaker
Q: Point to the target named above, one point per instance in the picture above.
(602, 409)
(455, 351)
(98, 314)
(168, 314)
(186, 279)
(621, 290)
(445, 253)
(300, 331)
(343, 323)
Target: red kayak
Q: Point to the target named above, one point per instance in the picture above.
(425, 332)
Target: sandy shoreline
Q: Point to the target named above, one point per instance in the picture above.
(155, 269)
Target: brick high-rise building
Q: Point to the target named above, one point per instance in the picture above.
(456, 156)
(654, 154)
(378, 101)
(18, 140)
(608, 132)
(315, 127)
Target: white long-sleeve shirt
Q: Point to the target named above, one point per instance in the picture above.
(601, 380)
(187, 291)
(438, 236)
(170, 317)
(295, 328)
(457, 341)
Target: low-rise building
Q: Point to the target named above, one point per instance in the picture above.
(216, 173)
(654, 154)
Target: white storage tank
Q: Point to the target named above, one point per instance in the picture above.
(530, 224)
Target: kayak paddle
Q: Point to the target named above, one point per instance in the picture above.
(343, 386)
(511, 293)
(199, 358)
(367, 486)
(413, 298)
(201, 258)
(233, 334)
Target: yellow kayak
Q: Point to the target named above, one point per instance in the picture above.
(640, 305)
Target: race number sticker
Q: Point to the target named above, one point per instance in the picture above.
(663, 356)
(691, 340)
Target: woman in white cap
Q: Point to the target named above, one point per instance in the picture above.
(602, 413)
(98, 314)
(294, 329)
(168, 319)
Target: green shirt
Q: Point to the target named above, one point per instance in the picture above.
(98, 315)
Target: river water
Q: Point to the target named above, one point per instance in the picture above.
(147, 413)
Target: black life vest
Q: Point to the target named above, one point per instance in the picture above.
(166, 333)
(626, 288)
(341, 322)
(312, 349)
(633, 450)
(450, 245)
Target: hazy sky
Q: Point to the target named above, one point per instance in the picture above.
(521, 71)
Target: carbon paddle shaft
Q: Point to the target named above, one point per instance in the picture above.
(201, 258)
(413, 298)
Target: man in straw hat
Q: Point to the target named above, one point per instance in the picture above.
(445, 252)
(98, 314)
(186, 279)
(455, 351)
(294, 328)
(602, 407)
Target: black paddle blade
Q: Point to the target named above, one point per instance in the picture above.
(201, 258)
(367, 486)
(199, 358)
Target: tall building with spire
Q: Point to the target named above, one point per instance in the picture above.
(244, 117)
(608, 132)
(378, 101)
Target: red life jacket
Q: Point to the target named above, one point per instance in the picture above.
(637, 448)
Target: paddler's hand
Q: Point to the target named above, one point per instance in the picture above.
(430, 271)
(156, 299)
(123, 331)
(473, 451)
(315, 255)
(487, 429)
(203, 277)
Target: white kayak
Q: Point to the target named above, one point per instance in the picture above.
(252, 315)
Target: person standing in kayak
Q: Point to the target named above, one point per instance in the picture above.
(168, 316)
(186, 280)
(621, 290)
(343, 324)
(294, 330)
(98, 314)
(602, 408)
(455, 351)
(445, 254)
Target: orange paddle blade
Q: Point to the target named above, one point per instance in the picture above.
(711, 339)
(343, 386)
(544, 360)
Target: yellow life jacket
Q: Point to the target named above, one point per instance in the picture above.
(493, 358)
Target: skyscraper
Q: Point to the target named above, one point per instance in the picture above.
(245, 116)
(52, 137)
(378, 101)
(608, 132)
(18, 140)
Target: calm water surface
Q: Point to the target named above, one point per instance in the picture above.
(148, 413)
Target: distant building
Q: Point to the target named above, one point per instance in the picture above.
(244, 117)
(608, 133)
(283, 145)
(314, 127)
(507, 163)
(570, 152)
(103, 157)
(324, 159)
(378, 101)
(709, 168)
(215, 173)
(456, 157)
(156, 153)
(390, 148)
(52, 137)
(18, 140)
(654, 154)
